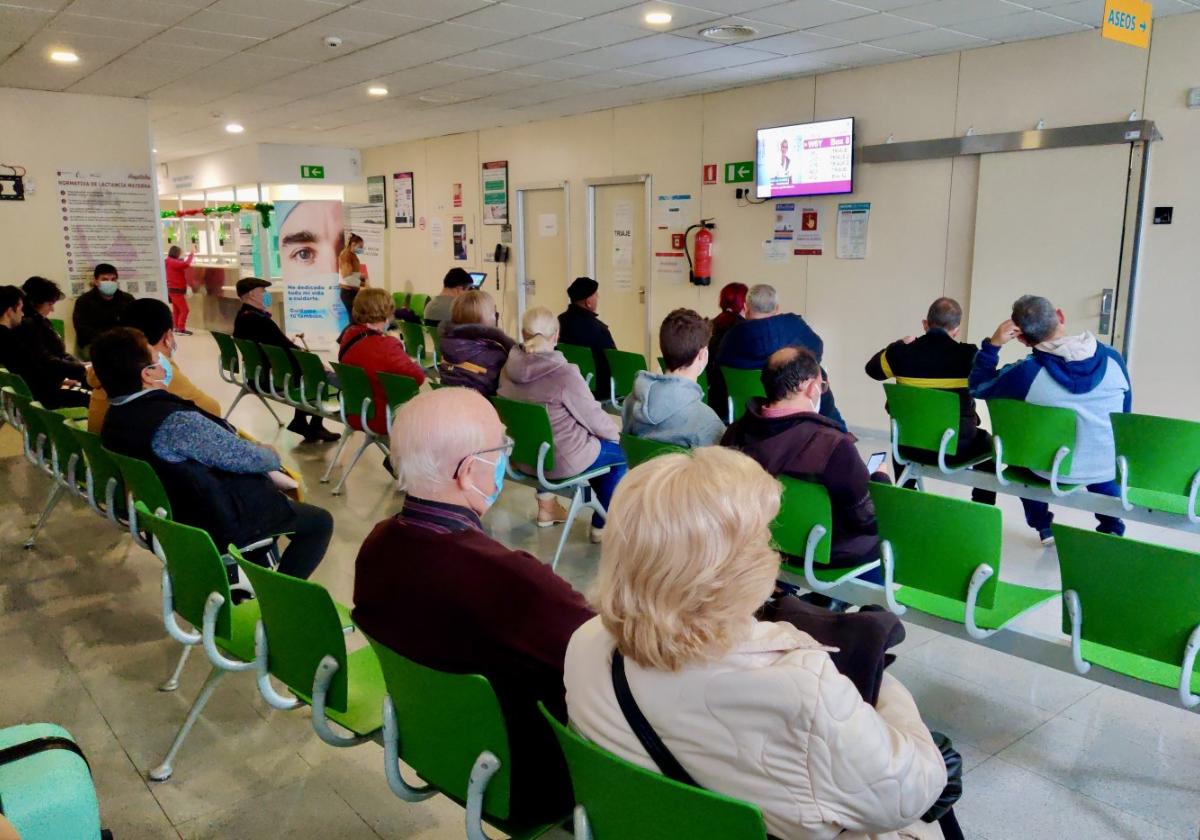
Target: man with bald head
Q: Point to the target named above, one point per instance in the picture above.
(432, 586)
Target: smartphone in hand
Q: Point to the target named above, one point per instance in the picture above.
(875, 462)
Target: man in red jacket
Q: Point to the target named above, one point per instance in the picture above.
(431, 585)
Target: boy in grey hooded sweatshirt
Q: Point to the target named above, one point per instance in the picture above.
(669, 407)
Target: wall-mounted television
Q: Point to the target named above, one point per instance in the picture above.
(814, 158)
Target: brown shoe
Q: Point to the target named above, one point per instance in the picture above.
(548, 517)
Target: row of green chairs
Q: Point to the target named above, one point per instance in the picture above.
(413, 300)
(357, 409)
(245, 363)
(623, 365)
(414, 336)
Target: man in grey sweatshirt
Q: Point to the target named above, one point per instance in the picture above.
(670, 407)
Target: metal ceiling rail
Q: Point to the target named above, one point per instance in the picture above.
(1099, 134)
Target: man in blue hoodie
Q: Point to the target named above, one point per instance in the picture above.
(1068, 371)
(749, 344)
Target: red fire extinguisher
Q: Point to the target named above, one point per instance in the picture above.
(701, 267)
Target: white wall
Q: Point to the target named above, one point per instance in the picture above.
(45, 132)
(922, 223)
(260, 163)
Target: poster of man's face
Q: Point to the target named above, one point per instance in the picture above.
(310, 237)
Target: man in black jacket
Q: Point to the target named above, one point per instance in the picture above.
(98, 309)
(580, 325)
(52, 374)
(12, 302)
(254, 323)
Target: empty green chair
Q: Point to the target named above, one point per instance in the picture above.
(398, 389)
(317, 394)
(1158, 463)
(60, 327)
(528, 425)
(741, 385)
(282, 383)
(195, 588)
(638, 450)
(400, 299)
(624, 367)
(1131, 607)
(228, 367)
(105, 491)
(357, 401)
(925, 429)
(35, 442)
(60, 456)
(300, 640)
(414, 341)
(803, 529)
(582, 358)
(1033, 438)
(616, 799)
(252, 379)
(417, 303)
(945, 554)
(702, 380)
(450, 730)
(435, 344)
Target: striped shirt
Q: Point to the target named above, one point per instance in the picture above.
(439, 517)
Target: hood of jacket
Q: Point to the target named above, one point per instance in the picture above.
(523, 368)
(1076, 362)
(657, 396)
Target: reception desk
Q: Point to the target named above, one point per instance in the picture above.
(212, 295)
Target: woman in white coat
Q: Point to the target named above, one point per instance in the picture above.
(751, 709)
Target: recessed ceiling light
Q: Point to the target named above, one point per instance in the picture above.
(234, 128)
(377, 90)
(728, 32)
(657, 18)
(64, 57)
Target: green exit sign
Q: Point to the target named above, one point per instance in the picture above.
(312, 171)
(739, 172)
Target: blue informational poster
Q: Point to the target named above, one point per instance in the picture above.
(311, 235)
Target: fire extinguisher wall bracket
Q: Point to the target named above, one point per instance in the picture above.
(700, 269)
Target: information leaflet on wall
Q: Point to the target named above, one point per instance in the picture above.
(376, 187)
(670, 266)
(458, 229)
(852, 225)
(622, 245)
(111, 217)
(246, 249)
(403, 200)
(547, 224)
(673, 212)
(776, 251)
(435, 234)
(495, 192)
(810, 241)
(786, 221)
(368, 221)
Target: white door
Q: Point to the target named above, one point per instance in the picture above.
(619, 256)
(543, 248)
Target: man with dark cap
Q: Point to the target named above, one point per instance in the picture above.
(581, 325)
(456, 282)
(254, 323)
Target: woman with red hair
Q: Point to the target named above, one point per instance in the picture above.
(733, 307)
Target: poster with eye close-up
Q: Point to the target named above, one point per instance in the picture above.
(311, 235)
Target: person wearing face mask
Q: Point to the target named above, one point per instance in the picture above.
(350, 272)
(431, 585)
(254, 323)
(215, 480)
(52, 374)
(99, 308)
(154, 320)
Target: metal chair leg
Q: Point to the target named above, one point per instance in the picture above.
(235, 402)
(163, 771)
(337, 491)
(267, 403)
(572, 512)
(56, 493)
(337, 456)
(172, 682)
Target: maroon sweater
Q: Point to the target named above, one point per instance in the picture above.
(454, 599)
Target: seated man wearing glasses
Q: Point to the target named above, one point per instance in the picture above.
(432, 586)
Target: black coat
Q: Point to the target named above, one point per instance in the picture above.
(94, 314)
(583, 327)
(41, 358)
(257, 325)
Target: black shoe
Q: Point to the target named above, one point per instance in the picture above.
(300, 426)
(820, 599)
(317, 433)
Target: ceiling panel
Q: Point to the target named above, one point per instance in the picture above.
(369, 20)
(207, 40)
(231, 24)
(805, 14)
(515, 20)
(193, 57)
(128, 76)
(111, 27)
(294, 12)
(557, 69)
(142, 11)
(870, 28)
(578, 8)
(18, 23)
(1020, 26)
(855, 55)
(680, 16)
(794, 43)
(762, 29)
(951, 12)
(705, 60)
(595, 33)
(431, 9)
(1090, 12)
(491, 60)
(307, 43)
(931, 41)
(540, 47)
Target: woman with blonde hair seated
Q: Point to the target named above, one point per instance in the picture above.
(585, 436)
(473, 347)
(752, 709)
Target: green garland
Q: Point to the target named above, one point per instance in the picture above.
(264, 210)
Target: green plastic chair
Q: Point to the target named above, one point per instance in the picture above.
(317, 394)
(616, 799)
(528, 425)
(1131, 607)
(142, 484)
(60, 327)
(281, 383)
(252, 380)
(582, 358)
(398, 389)
(925, 423)
(638, 450)
(35, 441)
(400, 299)
(196, 588)
(357, 400)
(1036, 439)
(1158, 463)
(624, 367)
(803, 530)
(741, 385)
(450, 730)
(417, 303)
(301, 641)
(702, 380)
(228, 367)
(945, 554)
(435, 342)
(103, 479)
(60, 457)
(414, 341)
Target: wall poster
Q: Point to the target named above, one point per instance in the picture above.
(111, 217)
(495, 192)
(403, 201)
(376, 188)
(368, 221)
(853, 220)
(311, 234)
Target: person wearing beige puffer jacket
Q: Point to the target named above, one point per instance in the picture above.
(751, 709)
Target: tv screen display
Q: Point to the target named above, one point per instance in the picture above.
(477, 278)
(807, 159)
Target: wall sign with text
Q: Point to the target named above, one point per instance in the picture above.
(495, 192)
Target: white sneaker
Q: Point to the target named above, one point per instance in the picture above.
(595, 535)
(1047, 537)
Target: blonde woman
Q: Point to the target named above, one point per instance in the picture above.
(473, 348)
(585, 437)
(753, 709)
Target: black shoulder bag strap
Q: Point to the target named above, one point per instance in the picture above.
(346, 349)
(668, 765)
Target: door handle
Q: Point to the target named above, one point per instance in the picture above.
(1106, 307)
(642, 294)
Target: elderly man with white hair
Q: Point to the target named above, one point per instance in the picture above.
(749, 344)
(433, 586)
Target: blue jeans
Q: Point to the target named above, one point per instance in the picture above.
(603, 486)
(1039, 517)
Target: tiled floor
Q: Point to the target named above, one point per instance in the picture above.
(1048, 754)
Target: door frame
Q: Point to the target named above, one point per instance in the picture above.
(647, 182)
(519, 234)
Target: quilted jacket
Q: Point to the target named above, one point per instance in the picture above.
(775, 724)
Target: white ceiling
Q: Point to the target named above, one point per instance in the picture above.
(455, 65)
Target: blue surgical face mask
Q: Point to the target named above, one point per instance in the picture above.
(108, 288)
(168, 372)
(266, 300)
(501, 463)
(358, 252)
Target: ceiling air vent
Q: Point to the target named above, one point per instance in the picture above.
(728, 32)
